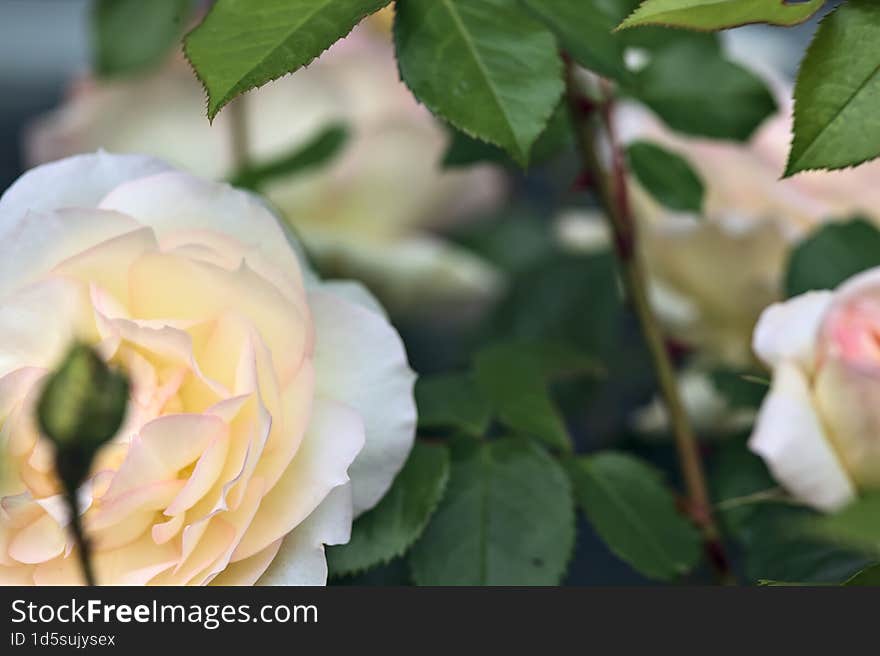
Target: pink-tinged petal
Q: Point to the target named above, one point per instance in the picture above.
(153, 496)
(124, 532)
(865, 285)
(789, 330)
(247, 427)
(789, 436)
(174, 201)
(215, 541)
(245, 572)
(175, 344)
(165, 531)
(366, 369)
(38, 542)
(134, 564)
(19, 510)
(15, 385)
(333, 439)
(79, 181)
(292, 421)
(203, 477)
(163, 447)
(241, 519)
(301, 559)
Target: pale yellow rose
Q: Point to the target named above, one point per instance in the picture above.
(267, 408)
(368, 215)
(817, 429)
(714, 273)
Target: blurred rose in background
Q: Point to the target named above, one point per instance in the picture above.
(371, 213)
(713, 274)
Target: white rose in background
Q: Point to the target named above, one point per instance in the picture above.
(713, 274)
(267, 408)
(818, 427)
(369, 214)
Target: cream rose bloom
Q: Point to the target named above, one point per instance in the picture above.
(818, 427)
(370, 214)
(267, 408)
(713, 274)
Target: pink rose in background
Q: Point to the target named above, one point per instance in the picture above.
(267, 408)
(818, 427)
(370, 214)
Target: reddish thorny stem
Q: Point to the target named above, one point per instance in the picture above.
(592, 121)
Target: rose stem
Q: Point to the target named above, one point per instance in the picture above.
(590, 122)
(239, 132)
(82, 545)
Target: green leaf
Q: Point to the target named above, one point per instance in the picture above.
(667, 177)
(870, 576)
(856, 526)
(131, 36)
(507, 519)
(770, 531)
(318, 152)
(466, 151)
(392, 527)
(838, 92)
(452, 401)
(740, 390)
(832, 255)
(585, 30)
(696, 91)
(569, 299)
(242, 44)
(485, 66)
(634, 512)
(512, 378)
(720, 14)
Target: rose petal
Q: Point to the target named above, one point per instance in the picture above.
(790, 438)
(334, 437)
(788, 331)
(301, 559)
(366, 369)
(38, 323)
(171, 201)
(246, 571)
(79, 181)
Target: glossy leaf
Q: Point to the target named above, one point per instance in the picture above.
(832, 255)
(513, 380)
(314, 154)
(242, 44)
(838, 92)
(585, 29)
(452, 401)
(389, 529)
(634, 512)
(721, 14)
(485, 66)
(507, 519)
(666, 176)
(696, 91)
